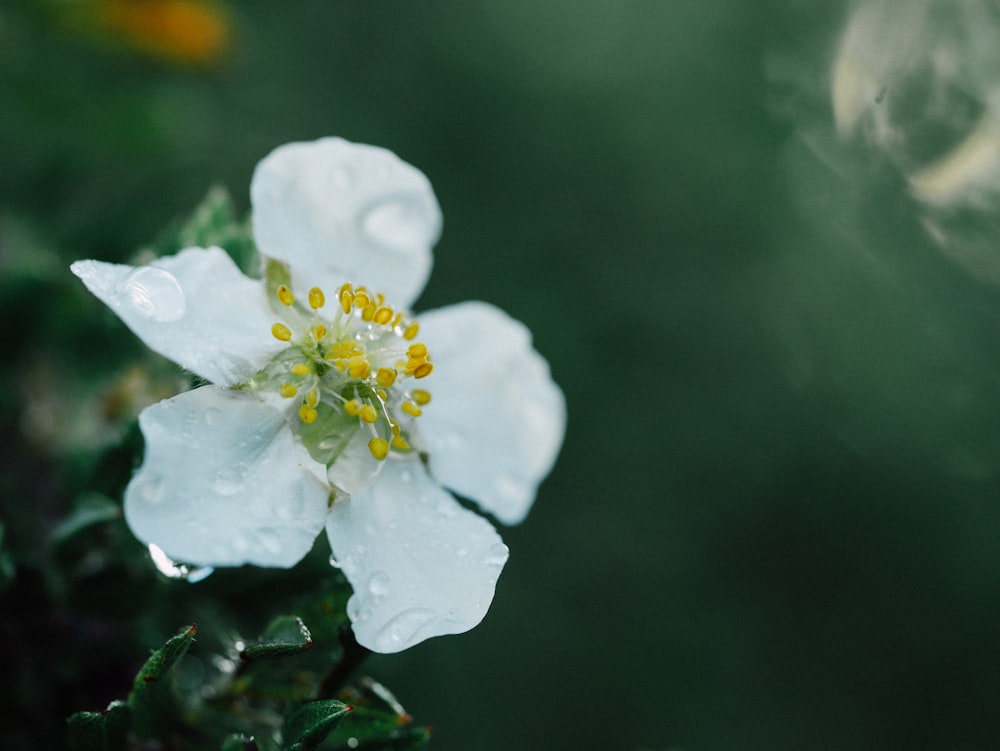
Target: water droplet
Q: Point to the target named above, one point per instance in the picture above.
(400, 631)
(396, 223)
(228, 481)
(334, 562)
(174, 570)
(269, 540)
(497, 555)
(154, 293)
(378, 584)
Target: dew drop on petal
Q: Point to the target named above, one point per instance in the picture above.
(497, 555)
(378, 583)
(402, 628)
(228, 481)
(334, 562)
(154, 293)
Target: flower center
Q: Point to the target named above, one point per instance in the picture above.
(350, 370)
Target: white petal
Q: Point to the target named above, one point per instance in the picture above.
(497, 419)
(340, 212)
(196, 307)
(224, 482)
(420, 564)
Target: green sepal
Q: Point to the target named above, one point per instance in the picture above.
(286, 635)
(307, 724)
(152, 699)
(100, 731)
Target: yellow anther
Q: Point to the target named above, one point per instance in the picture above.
(301, 369)
(342, 350)
(281, 332)
(288, 390)
(417, 350)
(361, 299)
(397, 320)
(346, 297)
(383, 315)
(312, 398)
(412, 409)
(379, 448)
(423, 370)
(382, 394)
(318, 332)
(385, 377)
(400, 443)
(316, 298)
(358, 367)
(369, 312)
(368, 413)
(352, 407)
(308, 414)
(285, 295)
(421, 397)
(411, 331)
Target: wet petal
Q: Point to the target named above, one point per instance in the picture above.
(497, 419)
(340, 212)
(224, 482)
(196, 307)
(420, 564)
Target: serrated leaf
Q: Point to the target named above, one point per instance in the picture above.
(152, 699)
(286, 635)
(100, 731)
(308, 724)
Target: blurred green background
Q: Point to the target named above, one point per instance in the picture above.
(775, 520)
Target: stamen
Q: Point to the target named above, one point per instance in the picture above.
(385, 377)
(308, 414)
(316, 298)
(312, 398)
(361, 299)
(281, 332)
(411, 331)
(368, 413)
(285, 295)
(301, 369)
(423, 370)
(421, 397)
(287, 390)
(417, 350)
(318, 332)
(346, 297)
(379, 448)
(352, 407)
(411, 409)
(382, 316)
(358, 367)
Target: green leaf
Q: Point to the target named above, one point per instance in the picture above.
(377, 722)
(308, 724)
(100, 731)
(152, 698)
(90, 509)
(286, 635)
(238, 742)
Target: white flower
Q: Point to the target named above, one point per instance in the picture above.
(319, 412)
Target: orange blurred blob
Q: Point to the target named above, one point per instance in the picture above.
(185, 31)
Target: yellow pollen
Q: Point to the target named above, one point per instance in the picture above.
(342, 350)
(421, 397)
(417, 350)
(281, 332)
(288, 390)
(411, 409)
(352, 407)
(411, 331)
(361, 299)
(368, 413)
(400, 443)
(358, 367)
(316, 298)
(308, 414)
(382, 316)
(301, 369)
(312, 398)
(318, 332)
(369, 312)
(423, 370)
(385, 377)
(285, 295)
(379, 448)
